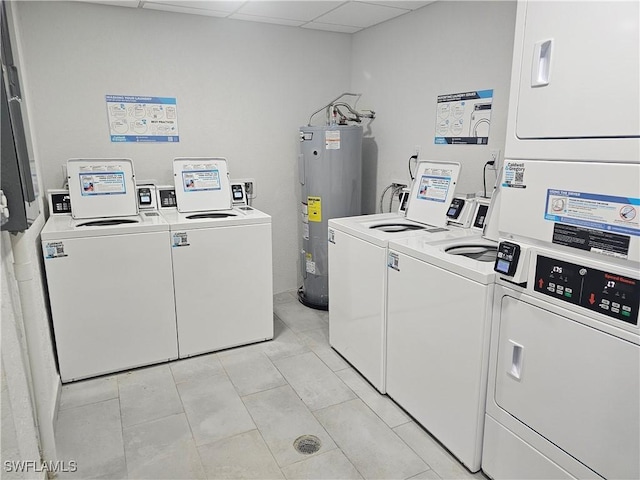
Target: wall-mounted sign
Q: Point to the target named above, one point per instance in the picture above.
(464, 118)
(142, 119)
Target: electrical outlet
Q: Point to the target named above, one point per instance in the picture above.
(399, 183)
(249, 186)
(495, 158)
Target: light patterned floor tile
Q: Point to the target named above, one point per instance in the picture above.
(148, 394)
(162, 449)
(330, 465)
(214, 409)
(313, 381)
(281, 418)
(244, 456)
(373, 448)
(91, 435)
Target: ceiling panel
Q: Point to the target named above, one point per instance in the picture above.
(215, 5)
(329, 27)
(180, 9)
(117, 3)
(408, 4)
(345, 16)
(360, 14)
(300, 10)
(277, 21)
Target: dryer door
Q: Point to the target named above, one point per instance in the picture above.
(573, 384)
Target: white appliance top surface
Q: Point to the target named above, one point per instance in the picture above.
(102, 187)
(360, 227)
(218, 218)
(65, 226)
(423, 248)
(202, 184)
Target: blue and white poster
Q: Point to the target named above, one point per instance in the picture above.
(142, 119)
(464, 118)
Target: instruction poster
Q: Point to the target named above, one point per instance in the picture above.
(142, 119)
(606, 212)
(464, 118)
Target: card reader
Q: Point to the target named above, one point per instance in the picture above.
(238, 195)
(507, 258)
(455, 208)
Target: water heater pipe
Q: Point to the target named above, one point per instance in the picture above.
(328, 106)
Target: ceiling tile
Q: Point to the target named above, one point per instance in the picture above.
(406, 4)
(277, 21)
(360, 14)
(117, 3)
(331, 28)
(215, 5)
(301, 10)
(173, 8)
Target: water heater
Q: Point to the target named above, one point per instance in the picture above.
(330, 173)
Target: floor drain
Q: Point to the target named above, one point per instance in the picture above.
(307, 444)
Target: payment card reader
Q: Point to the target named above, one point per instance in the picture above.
(507, 258)
(146, 196)
(455, 209)
(238, 194)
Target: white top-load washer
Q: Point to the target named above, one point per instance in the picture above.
(563, 398)
(109, 275)
(222, 261)
(358, 266)
(438, 321)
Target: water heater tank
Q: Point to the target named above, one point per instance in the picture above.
(330, 169)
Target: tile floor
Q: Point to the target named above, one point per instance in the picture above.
(236, 413)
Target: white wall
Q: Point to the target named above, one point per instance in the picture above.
(404, 64)
(242, 88)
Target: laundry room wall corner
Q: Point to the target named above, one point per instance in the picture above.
(404, 64)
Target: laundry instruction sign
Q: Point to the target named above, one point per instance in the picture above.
(142, 119)
(464, 118)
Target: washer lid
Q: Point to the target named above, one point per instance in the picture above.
(102, 187)
(432, 192)
(202, 184)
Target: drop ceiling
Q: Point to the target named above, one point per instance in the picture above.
(334, 16)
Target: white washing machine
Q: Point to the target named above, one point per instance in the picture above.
(438, 321)
(563, 399)
(222, 261)
(109, 275)
(358, 271)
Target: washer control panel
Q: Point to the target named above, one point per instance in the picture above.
(603, 292)
(167, 197)
(59, 202)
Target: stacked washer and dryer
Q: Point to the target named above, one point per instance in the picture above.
(130, 287)
(563, 398)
